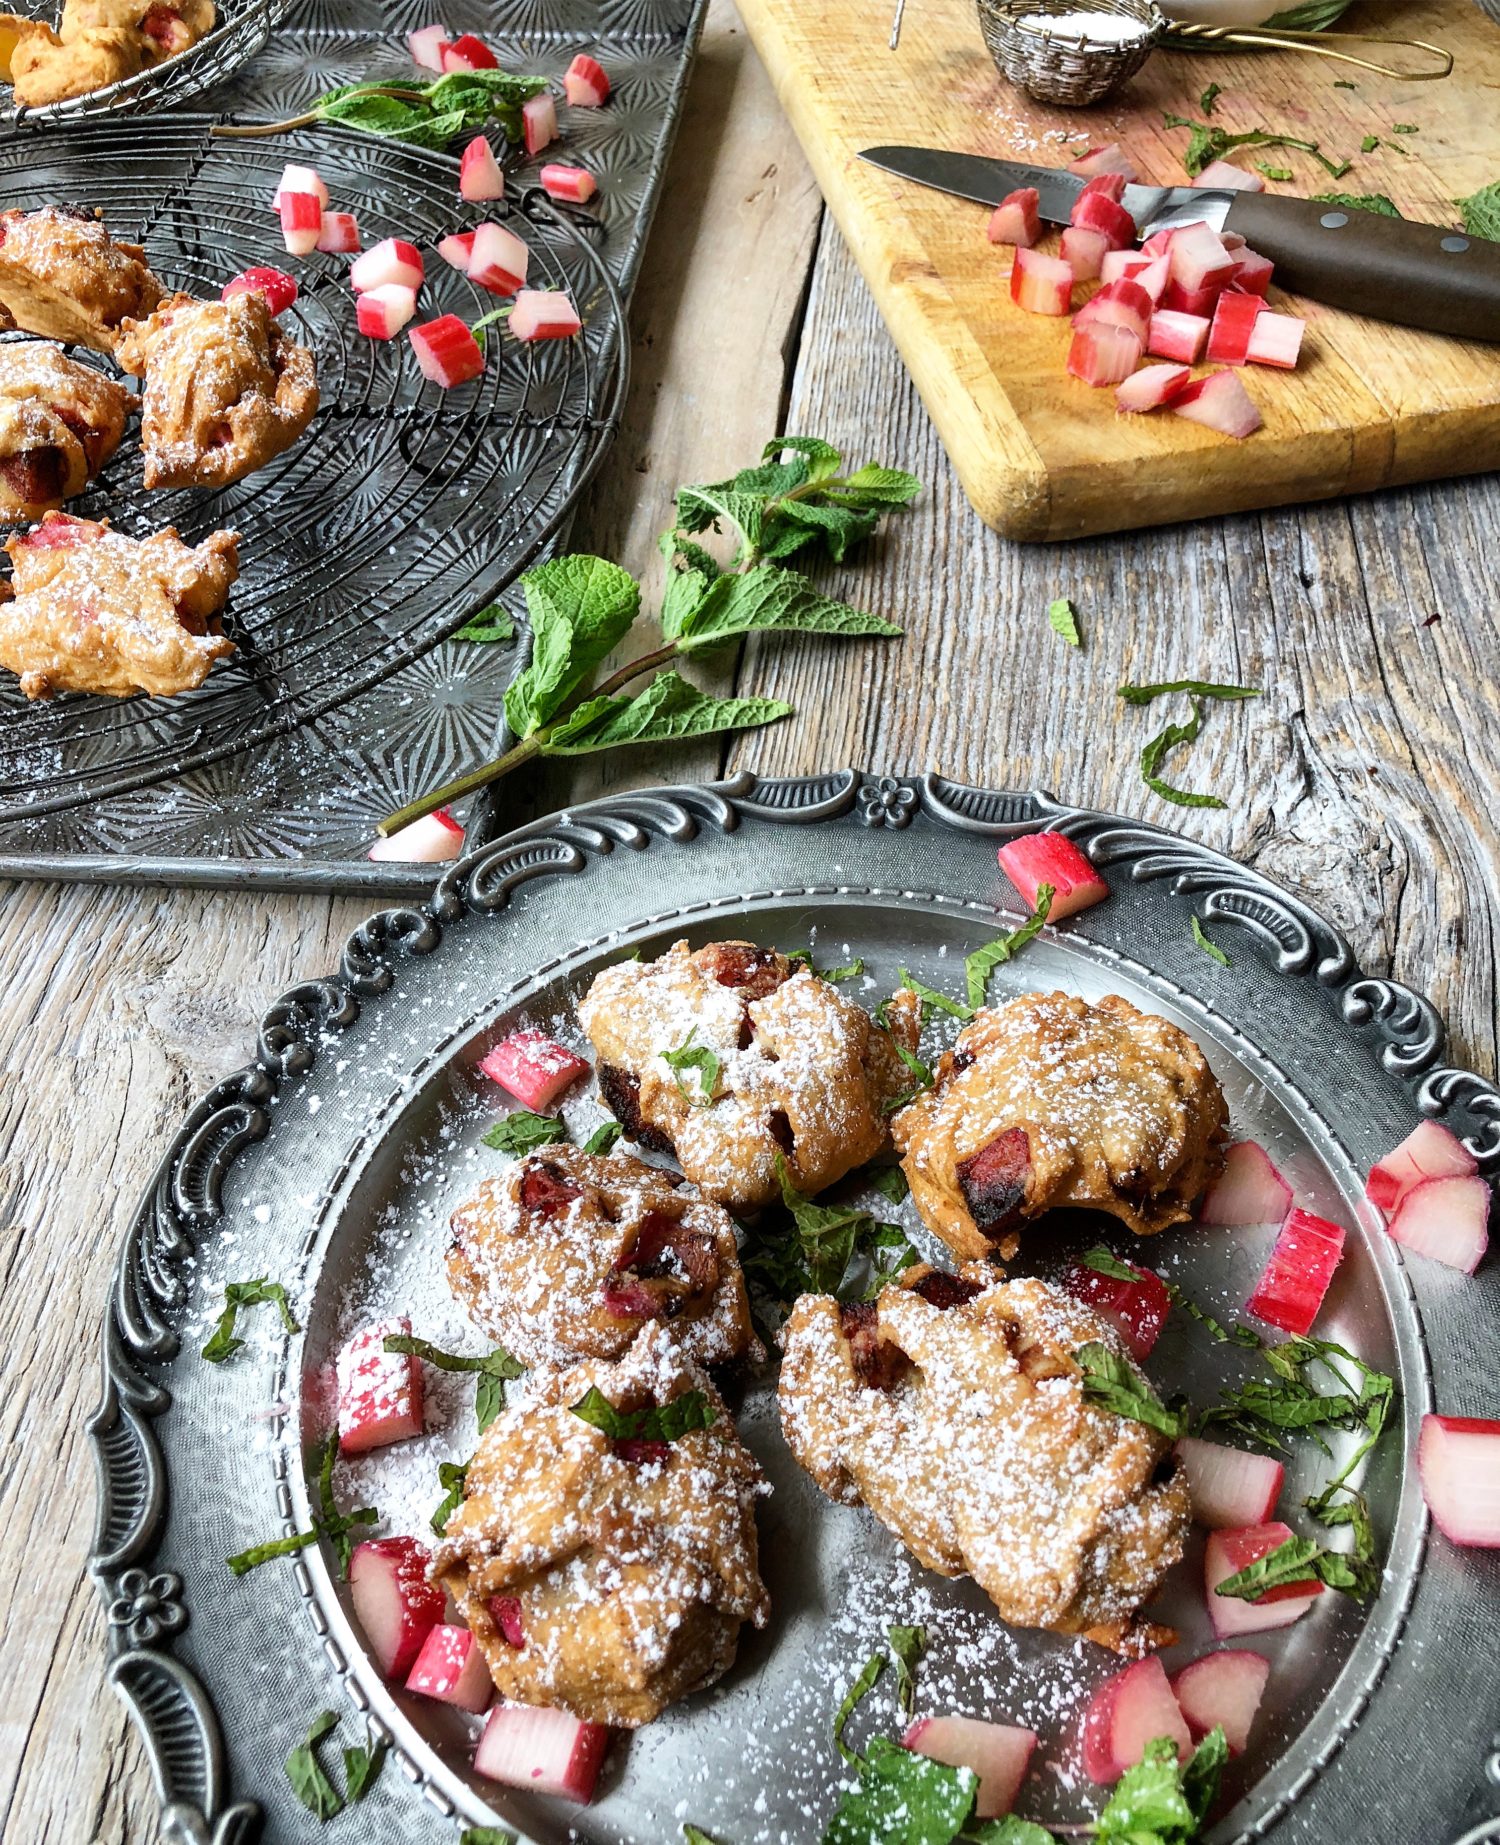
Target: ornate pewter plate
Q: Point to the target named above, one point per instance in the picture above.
(332, 1161)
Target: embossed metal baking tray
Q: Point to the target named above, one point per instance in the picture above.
(332, 1160)
(403, 510)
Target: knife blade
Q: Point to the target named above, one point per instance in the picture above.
(1416, 275)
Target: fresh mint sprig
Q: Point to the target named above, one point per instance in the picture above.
(581, 608)
(427, 115)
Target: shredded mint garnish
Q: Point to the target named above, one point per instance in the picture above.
(1110, 1383)
(1209, 97)
(1200, 688)
(869, 1672)
(604, 1137)
(451, 1477)
(1359, 201)
(982, 963)
(495, 1369)
(305, 1772)
(849, 971)
(337, 1527)
(1209, 948)
(1156, 749)
(817, 1253)
(523, 1132)
(237, 1294)
(698, 1057)
(907, 1646)
(1207, 143)
(1062, 617)
(1480, 212)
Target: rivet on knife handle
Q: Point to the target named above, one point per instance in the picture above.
(1418, 275)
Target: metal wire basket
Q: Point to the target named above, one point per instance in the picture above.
(243, 27)
(1069, 67)
(404, 508)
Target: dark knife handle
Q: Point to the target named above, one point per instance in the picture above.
(1418, 275)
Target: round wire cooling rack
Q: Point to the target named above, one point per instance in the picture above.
(403, 509)
(243, 27)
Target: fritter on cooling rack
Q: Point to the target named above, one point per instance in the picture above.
(773, 1062)
(59, 423)
(608, 1578)
(1050, 1101)
(97, 42)
(62, 275)
(953, 1407)
(567, 1254)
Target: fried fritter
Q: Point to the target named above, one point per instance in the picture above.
(63, 276)
(60, 421)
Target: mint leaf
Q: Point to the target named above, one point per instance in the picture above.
(1293, 1561)
(922, 1076)
(327, 1523)
(823, 459)
(1200, 1779)
(237, 1294)
(1362, 201)
(661, 1422)
(902, 1798)
(362, 1768)
(522, 1132)
(491, 624)
(889, 1181)
(907, 1646)
(873, 486)
(451, 1477)
(930, 997)
(1209, 97)
(1110, 1383)
(1209, 948)
(1013, 1831)
(1405, 128)
(814, 1256)
(982, 963)
(869, 1672)
(1062, 617)
(1200, 688)
(431, 114)
(1207, 143)
(668, 710)
(495, 1370)
(803, 957)
(580, 608)
(1278, 173)
(1156, 749)
(1480, 212)
(1102, 1262)
(1369, 144)
(486, 1835)
(699, 1057)
(604, 1137)
(305, 1772)
(695, 1835)
(764, 599)
(1148, 1803)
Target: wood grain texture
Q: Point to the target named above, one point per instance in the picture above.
(1040, 455)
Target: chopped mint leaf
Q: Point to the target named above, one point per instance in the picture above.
(1209, 97)
(1207, 143)
(1480, 212)
(451, 1477)
(921, 1074)
(1209, 948)
(695, 1835)
(1012, 1831)
(982, 963)
(1343, 83)
(495, 1370)
(902, 1798)
(362, 1768)
(1102, 1262)
(1134, 694)
(327, 1523)
(698, 1057)
(491, 624)
(1300, 1559)
(604, 1137)
(1277, 173)
(850, 970)
(660, 1422)
(1156, 749)
(889, 1181)
(1369, 144)
(305, 1772)
(523, 1132)
(931, 998)
(869, 1672)
(1110, 1383)
(1405, 128)
(1359, 201)
(237, 1294)
(907, 1646)
(815, 1255)
(486, 1835)
(1062, 617)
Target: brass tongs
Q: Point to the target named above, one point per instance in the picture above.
(1183, 37)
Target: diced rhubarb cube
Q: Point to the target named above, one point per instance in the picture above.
(1128, 1711)
(447, 352)
(535, 1069)
(1157, 244)
(1229, 1488)
(1119, 304)
(1296, 1278)
(1219, 402)
(1117, 263)
(382, 312)
(390, 260)
(1275, 339)
(467, 52)
(498, 260)
(451, 1668)
(1108, 159)
(541, 1751)
(1017, 219)
(544, 314)
(1222, 1691)
(1430, 1151)
(340, 234)
(1035, 859)
(1446, 1220)
(1102, 213)
(1229, 1552)
(585, 84)
(1198, 301)
(426, 46)
(301, 222)
(1252, 272)
(279, 289)
(1458, 1459)
(479, 175)
(396, 1605)
(456, 249)
(1111, 185)
(571, 183)
(538, 123)
(1249, 1190)
(999, 1753)
(380, 1392)
(1151, 388)
(435, 838)
(1229, 335)
(1041, 284)
(1224, 176)
(1136, 1309)
(1177, 336)
(1084, 251)
(1199, 259)
(299, 179)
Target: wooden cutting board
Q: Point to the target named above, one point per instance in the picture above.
(1042, 456)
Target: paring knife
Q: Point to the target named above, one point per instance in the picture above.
(1419, 275)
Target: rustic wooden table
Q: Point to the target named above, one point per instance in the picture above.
(1367, 778)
